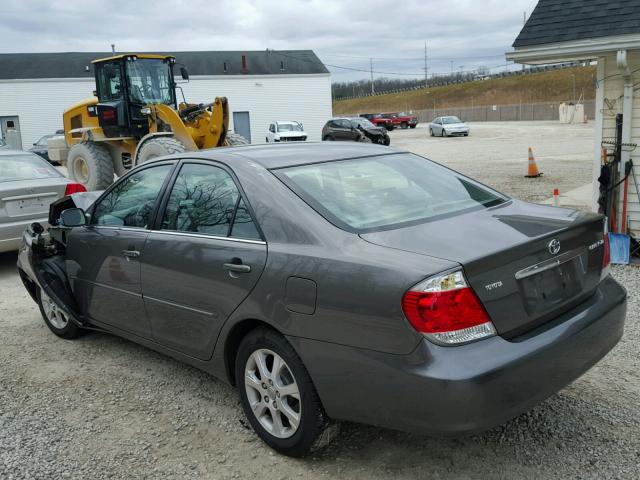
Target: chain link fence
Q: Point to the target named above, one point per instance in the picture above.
(503, 113)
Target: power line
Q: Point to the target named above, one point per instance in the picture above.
(370, 70)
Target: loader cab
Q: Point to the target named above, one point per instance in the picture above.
(125, 84)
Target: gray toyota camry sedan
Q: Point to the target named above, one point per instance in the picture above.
(335, 282)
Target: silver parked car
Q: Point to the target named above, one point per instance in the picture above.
(447, 126)
(28, 185)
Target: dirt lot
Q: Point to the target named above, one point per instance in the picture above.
(101, 407)
(496, 154)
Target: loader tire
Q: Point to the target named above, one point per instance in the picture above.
(159, 147)
(90, 164)
(234, 140)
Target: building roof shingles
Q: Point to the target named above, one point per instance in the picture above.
(74, 64)
(554, 21)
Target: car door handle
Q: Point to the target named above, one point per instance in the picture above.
(131, 253)
(236, 267)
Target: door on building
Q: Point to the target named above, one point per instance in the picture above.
(10, 132)
(242, 124)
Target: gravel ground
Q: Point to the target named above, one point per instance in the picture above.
(102, 407)
(496, 154)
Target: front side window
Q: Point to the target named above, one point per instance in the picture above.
(131, 202)
(206, 200)
(385, 191)
(150, 81)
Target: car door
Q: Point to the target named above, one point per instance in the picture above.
(344, 128)
(437, 126)
(103, 258)
(202, 260)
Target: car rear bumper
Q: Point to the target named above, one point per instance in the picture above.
(469, 388)
(11, 233)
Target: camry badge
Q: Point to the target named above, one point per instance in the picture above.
(554, 246)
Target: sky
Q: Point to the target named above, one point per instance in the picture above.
(461, 35)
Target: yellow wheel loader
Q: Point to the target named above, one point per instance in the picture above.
(133, 117)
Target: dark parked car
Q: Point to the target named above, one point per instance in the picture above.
(41, 149)
(357, 129)
(336, 282)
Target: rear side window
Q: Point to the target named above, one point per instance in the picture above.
(25, 167)
(382, 192)
(206, 200)
(131, 202)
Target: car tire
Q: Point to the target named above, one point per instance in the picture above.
(412, 126)
(159, 147)
(91, 165)
(444, 133)
(57, 319)
(404, 125)
(431, 132)
(328, 138)
(387, 140)
(263, 390)
(267, 139)
(235, 140)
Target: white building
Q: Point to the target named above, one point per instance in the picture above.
(261, 86)
(607, 31)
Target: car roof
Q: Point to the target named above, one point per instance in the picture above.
(273, 156)
(12, 153)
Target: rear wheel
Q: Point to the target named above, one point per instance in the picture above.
(412, 126)
(443, 133)
(328, 138)
(56, 318)
(159, 147)
(404, 125)
(431, 132)
(277, 395)
(235, 140)
(91, 165)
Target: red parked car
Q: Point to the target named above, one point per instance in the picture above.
(402, 119)
(379, 120)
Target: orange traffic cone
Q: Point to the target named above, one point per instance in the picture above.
(533, 171)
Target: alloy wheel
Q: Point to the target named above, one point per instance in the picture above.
(273, 393)
(56, 317)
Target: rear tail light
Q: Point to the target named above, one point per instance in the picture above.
(447, 311)
(74, 188)
(606, 254)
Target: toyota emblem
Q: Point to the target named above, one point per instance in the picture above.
(554, 246)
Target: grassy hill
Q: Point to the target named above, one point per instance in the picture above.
(555, 85)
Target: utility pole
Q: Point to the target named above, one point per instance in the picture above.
(113, 49)
(573, 79)
(425, 64)
(373, 90)
(452, 68)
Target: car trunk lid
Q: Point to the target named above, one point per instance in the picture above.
(28, 199)
(527, 263)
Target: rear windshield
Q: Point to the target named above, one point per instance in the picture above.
(376, 193)
(25, 167)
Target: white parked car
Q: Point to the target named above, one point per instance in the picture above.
(289, 131)
(446, 126)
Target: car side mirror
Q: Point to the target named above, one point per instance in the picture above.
(73, 217)
(184, 73)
